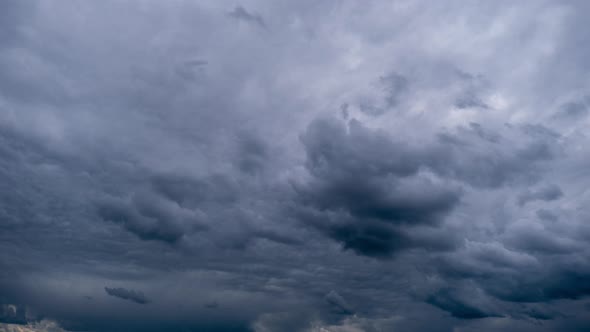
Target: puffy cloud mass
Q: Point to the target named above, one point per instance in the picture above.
(294, 166)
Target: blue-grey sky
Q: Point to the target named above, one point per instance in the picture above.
(307, 166)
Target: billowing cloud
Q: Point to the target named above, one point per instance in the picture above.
(365, 190)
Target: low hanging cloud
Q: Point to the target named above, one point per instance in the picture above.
(127, 294)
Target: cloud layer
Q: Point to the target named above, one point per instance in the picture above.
(294, 166)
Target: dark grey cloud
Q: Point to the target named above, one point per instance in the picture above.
(241, 13)
(365, 192)
(127, 294)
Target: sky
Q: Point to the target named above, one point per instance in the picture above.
(306, 166)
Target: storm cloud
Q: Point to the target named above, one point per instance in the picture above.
(365, 190)
(294, 166)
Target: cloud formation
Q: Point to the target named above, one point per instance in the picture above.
(294, 166)
(127, 294)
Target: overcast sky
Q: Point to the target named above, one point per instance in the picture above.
(306, 166)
